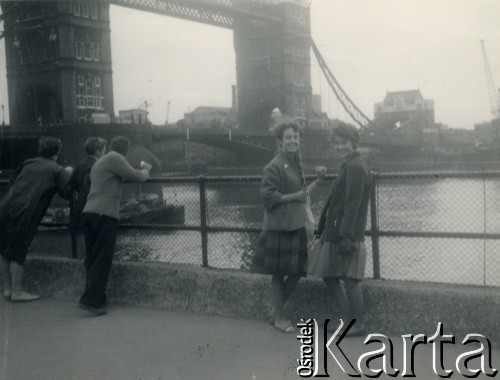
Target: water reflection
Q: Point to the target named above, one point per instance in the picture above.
(418, 205)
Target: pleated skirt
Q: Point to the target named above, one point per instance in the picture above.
(281, 253)
(324, 260)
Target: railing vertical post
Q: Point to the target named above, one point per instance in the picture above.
(375, 230)
(203, 220)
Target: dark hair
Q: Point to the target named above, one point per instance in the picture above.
(297, 157)
(348, 132)
(281, 128)
(120, 145)
(49, 146)
(93, 144)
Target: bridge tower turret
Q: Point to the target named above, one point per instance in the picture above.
(58, 60)
(273, 67)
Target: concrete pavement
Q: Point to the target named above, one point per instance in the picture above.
(53, 339)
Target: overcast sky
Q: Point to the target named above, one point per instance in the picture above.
(371, 47)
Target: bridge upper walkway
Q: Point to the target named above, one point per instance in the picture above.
(220, 13)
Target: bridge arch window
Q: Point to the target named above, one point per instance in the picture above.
(80, 92)
(79, 50)
(89, 92)
(94, 11)
(87, 51)
(85, 9)
(77, 8)
(96, 52)
(97, 92)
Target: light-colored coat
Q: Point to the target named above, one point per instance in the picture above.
(106, 182)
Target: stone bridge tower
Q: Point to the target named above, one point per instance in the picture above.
(273, 66)
(59, 57)
(58, 61)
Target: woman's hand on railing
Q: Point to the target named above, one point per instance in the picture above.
(299, 196)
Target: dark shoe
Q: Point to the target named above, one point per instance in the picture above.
(92, 309)
(23, 297)
(7, 294)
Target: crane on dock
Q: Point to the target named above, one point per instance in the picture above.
(492, 89)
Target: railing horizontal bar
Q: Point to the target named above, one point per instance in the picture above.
(161, 227)
(439, 175)
(408, 234)
(310, 177)
(234, 229)
(445, 235)
(179, 227)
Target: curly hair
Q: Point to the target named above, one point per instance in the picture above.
(297, 157)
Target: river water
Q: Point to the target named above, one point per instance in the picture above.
(415, 205)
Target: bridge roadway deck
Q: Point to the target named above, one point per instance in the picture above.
(365, 139)
(53, 339)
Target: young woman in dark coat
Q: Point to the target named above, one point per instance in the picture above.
(342, 228)
(282, 246)
(22, 209)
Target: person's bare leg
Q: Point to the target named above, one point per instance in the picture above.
(281, 322)
(18, 294)
(290, 285)
(355, 297)
(7, 278)
(335, 287)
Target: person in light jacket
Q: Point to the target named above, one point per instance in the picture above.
(282, 246)
(100, 220)
(342, 252)
(34, 185)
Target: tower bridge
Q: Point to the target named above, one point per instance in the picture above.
(59, 64)
(59, 71)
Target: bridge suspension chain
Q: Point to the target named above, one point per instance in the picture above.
(357, 115)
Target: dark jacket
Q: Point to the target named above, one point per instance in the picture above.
(21, 210)
(345, 213)
(280, 177)
(80, 183)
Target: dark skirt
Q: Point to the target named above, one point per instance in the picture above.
(281, 253)
(16, 236)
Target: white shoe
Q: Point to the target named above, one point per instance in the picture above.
(23, 297)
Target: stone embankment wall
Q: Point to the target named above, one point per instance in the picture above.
(392, 307)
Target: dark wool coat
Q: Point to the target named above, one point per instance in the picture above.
(26, 202)
(345, 212)
(80, 183)
(280, 177)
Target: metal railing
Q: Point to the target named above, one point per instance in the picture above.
(222, 205)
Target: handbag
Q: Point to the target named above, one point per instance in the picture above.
(309, 218)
